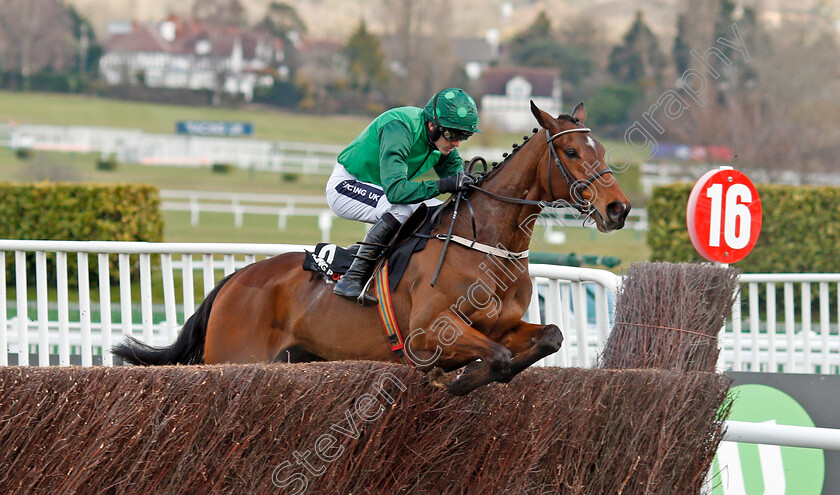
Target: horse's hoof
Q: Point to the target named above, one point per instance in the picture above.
(551, 340)
(438, 378)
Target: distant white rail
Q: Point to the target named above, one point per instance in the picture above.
(663, 173)
(136, 146)
(239, 204)
(285, 206)
(129, 145)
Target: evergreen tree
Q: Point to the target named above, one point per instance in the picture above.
(540, 29)
(539, 46)
(283, 21)
(638, 59)
(365, 60)
(738, 74)
(682, 50)
(90, 51)
(723, 26)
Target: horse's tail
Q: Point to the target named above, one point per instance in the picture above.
(188, 348)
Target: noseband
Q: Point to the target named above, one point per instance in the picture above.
(575, 186)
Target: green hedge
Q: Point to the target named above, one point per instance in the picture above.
(78, 212)
(800, 231)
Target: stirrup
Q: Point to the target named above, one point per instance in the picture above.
(363, 295)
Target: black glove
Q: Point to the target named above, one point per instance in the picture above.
(454, 183)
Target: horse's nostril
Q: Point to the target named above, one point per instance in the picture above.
(617, 211)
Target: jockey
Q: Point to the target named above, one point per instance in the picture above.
(374, 177)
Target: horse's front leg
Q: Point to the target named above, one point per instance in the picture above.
(530, 343)
(449, 344)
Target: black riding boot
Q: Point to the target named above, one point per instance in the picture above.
(351, 284)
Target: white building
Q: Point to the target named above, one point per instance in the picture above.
(180, 54)
(505, 104)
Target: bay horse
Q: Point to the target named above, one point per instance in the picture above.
(273, 310)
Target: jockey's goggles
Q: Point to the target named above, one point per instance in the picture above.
(454, 134)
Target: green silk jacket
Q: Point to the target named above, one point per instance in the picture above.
(393, 151)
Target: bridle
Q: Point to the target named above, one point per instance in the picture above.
(576, 186)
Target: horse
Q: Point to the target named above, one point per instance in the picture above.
(471, 317)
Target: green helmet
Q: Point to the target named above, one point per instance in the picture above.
(455, 109)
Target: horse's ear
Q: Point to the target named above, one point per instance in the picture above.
(542, 117)
(580, 113)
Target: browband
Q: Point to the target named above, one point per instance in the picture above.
(576, 129)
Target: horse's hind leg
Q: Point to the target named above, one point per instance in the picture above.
(530, 343)
(243, 327)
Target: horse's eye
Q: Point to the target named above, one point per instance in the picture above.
(571, 153)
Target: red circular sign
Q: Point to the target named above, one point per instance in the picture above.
(724, 215)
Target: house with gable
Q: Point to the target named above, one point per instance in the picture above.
(182, 54)
(507, 92)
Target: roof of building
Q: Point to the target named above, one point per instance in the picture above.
(147, 38)
(542, 79)
(143, 38)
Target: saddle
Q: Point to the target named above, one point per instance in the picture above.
(331, 261)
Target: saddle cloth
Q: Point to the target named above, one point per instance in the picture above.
(332, 261)
(329, 260)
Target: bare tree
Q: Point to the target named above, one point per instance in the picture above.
(778, 110)
(787, 118)
(219, 12)
(587, 35)
(37, 34)
(424, 49)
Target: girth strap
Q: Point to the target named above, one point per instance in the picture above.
(485, 248)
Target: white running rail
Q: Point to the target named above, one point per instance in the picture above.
(566, 296)
(772, 330)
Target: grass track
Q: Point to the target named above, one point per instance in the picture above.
(59, 109)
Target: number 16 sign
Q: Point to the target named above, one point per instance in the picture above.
(724, 215)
